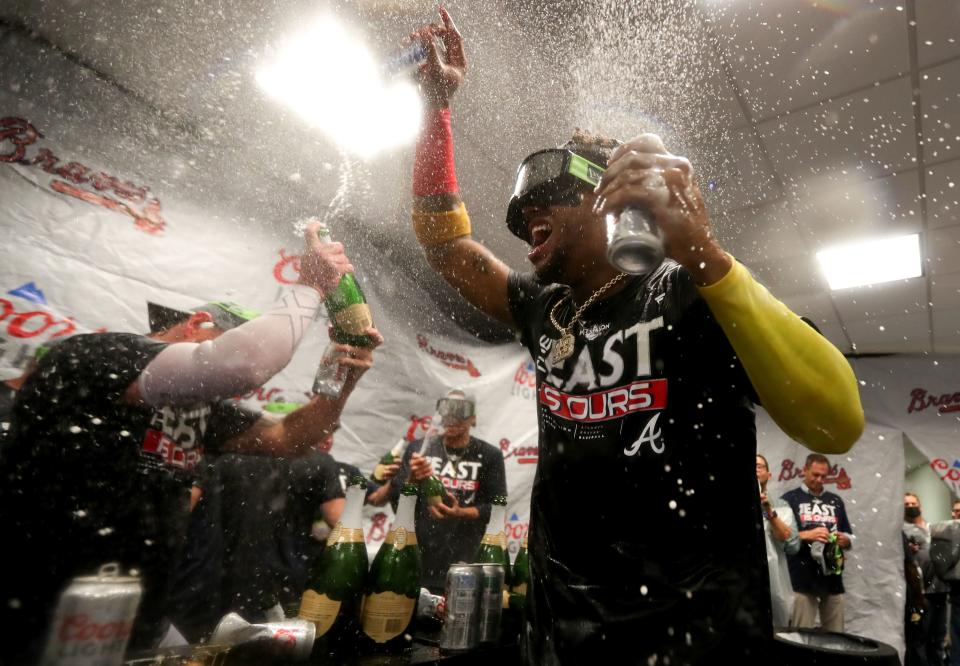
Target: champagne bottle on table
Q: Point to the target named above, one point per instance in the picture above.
(521, 572)
(334, 592)
(391, 457)
(349, 316)
(493, 547)
(393, 586)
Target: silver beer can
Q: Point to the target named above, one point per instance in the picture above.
(491, 602)
(633, 242)
(461, 616)
(94, 620)
(289, 638)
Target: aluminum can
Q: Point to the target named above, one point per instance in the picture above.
(491, 602)
(461, 617)
(633, 242)
(94, 620)
(291, 638)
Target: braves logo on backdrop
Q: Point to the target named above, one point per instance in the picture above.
(921, 399)
(174, 437)
(449, 359)
(523, 455)
(78, 180)
(836, 476)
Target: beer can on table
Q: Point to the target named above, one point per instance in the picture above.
(461, 617)
(292, 638)
(491, 602)
(94, 620)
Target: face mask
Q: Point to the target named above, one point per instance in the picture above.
(911, 512)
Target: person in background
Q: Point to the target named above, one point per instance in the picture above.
(780, 532)
(819, 513)
(935, 590)
(955, 603)
(645, 390)
(915, 604)
(472, 473)
(107, 434)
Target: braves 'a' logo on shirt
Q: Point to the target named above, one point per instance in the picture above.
(174, 436)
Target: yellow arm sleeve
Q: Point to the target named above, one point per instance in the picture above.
(802, 380)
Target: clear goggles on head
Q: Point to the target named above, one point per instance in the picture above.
(552, 177)
(455, 408)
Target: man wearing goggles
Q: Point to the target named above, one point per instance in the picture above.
(472, 473)
(645, 386)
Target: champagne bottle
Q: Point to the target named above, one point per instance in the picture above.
(347, 307)
(334, 592)
(493, 547)
(393, 586)
(833, 556)
(391, 457)
(521, 571)
(431, 489)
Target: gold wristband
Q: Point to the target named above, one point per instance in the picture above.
(435, 228)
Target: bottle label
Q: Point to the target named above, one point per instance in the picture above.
(386, 615)
(353, 319)
(319, 609)
(341, 534)
(519, 589)
(401, 538)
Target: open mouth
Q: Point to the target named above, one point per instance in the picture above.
(539, 233)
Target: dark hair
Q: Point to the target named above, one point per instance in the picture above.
(765, 462)
(816, 458)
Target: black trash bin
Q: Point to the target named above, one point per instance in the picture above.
(814, 647)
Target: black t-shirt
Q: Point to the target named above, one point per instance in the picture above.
(812, 511)
(87, 479)
(645, 531)
(474, 475)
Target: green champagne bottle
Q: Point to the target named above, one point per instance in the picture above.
(493, 547)
(521, 571)
(393, 586)
(391, 457)
(334, 592)
(347, 307)
(432, 490)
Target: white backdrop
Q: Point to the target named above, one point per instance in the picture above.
(88, 239)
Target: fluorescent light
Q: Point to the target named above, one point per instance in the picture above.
(871, 262)
(328, 78)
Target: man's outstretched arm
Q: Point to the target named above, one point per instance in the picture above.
(440, 218)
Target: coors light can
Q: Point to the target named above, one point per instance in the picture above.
(94, 620)
(461, 616)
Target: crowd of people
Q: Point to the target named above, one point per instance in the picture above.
(128, 447)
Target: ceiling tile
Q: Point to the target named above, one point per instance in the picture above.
(937, 34)
(760, 234)
(870, 132)
(943, 194)
(882, 300)
(891, 334)
(940, 96)
(943, 250)
(789, 275)
(945, 291)
(946, 330)
(790, 53)
(744, 177)
(838, 206)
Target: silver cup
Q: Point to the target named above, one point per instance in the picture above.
(633, 242)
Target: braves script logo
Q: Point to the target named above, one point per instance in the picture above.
(790, 470)
(524, 455)
(945, 403)
(80, 181)
(449, 359)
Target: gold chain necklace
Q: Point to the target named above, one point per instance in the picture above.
(563, 348)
